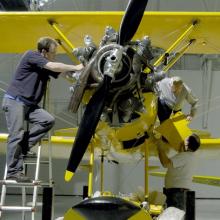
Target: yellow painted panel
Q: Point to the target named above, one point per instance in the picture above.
(73, 214)
(175, 130)
(141, 215)
(20, 30)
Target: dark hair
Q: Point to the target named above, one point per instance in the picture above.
(193, 142)
(44, 43)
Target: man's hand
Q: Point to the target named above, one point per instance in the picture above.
(79, 67)
(189, 117)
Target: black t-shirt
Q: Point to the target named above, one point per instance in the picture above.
(30, 79)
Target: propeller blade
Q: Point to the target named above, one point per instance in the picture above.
(131, 20)
(87, 127)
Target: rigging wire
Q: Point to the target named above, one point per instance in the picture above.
(211, 109)
(205, 5)
(63, 120)
(125, 177)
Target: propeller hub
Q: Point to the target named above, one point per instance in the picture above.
(113, 61)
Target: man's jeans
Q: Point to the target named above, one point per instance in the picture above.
(16, 113)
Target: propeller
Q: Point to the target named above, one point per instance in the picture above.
(87, 127)
(131, 20)
(93, 111)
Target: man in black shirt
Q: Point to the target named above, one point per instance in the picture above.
(21, 101)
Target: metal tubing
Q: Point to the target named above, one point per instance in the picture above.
(23, 190)
(16, 208)
(34, 201)
(70, 55)
(59, 32)
(187, 31)
(146, 172)
(91, 163)
(102, 174)
(180, 54)
(3, 194)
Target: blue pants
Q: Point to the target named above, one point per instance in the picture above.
(16, 113)
(164, 111)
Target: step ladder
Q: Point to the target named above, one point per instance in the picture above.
(25, 207)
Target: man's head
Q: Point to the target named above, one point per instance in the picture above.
(192, 143)
(177, 84)
(47, 46)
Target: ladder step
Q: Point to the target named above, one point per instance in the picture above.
(13, 183)
(33, 162)
(17, 208)
(34, 185)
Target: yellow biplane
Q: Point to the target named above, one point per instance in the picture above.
(120, 65)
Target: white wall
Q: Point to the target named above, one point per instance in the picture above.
(153, 5)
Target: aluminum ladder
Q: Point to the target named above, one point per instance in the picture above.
(27, 207)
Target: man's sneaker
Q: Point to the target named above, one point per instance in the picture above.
(30, 154)
(20, 178)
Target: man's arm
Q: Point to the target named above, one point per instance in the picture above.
(70, 76)
(193, 101)
(61, 67)
(164, 159)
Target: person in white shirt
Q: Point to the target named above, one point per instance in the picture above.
(178, 177)
(172, 93)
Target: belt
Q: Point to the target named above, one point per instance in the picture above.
(18, 99)
(13, 98)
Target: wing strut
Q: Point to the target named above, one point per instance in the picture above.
(146, 172)
(180, 40)
(59, 32)
(179, 55)
(70, 46)
(69, 54)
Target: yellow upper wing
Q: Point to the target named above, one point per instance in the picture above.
(20, 30)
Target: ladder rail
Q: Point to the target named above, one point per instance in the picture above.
(35, 185)
(35, 193)
(23, 190)
(3, 193)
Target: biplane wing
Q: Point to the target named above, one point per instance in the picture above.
(22, 29)
(207, 180)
